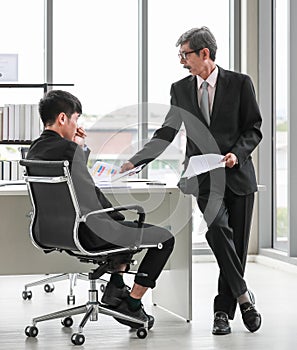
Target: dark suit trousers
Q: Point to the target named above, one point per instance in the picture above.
(153, 261)
(228, 236)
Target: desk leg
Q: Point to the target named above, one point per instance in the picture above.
(178, 277)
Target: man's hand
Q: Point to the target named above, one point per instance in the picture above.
(126, 166)
(230, 159)
(80, 136)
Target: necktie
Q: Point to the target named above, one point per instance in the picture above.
(204, 102)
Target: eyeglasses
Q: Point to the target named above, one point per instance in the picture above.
(183, 55)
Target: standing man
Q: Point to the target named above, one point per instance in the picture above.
(221, 115)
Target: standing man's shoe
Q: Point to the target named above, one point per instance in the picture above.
(221, 324)
(250, 316)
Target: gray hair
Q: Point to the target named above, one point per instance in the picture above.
(199, 38)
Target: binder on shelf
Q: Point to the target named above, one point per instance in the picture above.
(16, 135)
(1, 123)
(6, 170)
(5, 124)
(35, 130)
(11, 122)
(22, 122)
(14, 170)
(27, 122)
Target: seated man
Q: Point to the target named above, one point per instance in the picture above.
(62, 139)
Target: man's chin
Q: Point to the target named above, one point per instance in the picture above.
(189, 69)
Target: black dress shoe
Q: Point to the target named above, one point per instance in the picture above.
(250, 316)
(221, 324)
(140, 314)
(113, 296)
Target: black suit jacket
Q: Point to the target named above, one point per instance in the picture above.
(234, 127)
(51, 146)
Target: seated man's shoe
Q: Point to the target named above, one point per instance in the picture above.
(140, 314)
(221, 324)
(113, 295)
(250, 316)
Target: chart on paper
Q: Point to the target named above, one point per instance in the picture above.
(106, 172)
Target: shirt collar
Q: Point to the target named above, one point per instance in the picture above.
(211, 79)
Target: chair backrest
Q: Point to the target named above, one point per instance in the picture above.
(56, 213)
(55, 207)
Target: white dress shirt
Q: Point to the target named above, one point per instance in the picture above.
(212, 82)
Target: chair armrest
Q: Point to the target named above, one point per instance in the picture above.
(138, 208)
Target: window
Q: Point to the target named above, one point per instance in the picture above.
(95, 46)
(22, 33)
(164, 68)
(281, 126)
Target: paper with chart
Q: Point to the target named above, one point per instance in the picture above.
(106, 172)
(203, 163)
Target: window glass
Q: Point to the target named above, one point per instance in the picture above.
(22, 32)
(96, 49)
(281, 125)
(164, 68)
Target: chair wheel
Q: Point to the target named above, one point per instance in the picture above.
(70, 299)
(27, 295)
(48, 288)
(77, 338)
(102, 288)
(67, 322)
(141, 333)
(31, 331)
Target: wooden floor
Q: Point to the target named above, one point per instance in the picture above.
(276, 299)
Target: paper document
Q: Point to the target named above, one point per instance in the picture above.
(106, 172)
(203, 163)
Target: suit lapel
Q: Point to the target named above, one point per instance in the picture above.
(221, 89)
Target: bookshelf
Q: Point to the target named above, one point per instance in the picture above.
(13, 139)
(19, 125)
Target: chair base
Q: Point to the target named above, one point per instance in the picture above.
(49, 287)
(90, 310)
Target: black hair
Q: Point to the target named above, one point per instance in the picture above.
(55, 102)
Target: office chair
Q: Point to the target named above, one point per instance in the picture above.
(49, 287)
(52, 192)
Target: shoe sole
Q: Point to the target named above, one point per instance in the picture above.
(221, 333)
(134, 325)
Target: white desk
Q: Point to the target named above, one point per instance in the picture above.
(164, 205)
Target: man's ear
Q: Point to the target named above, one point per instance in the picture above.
(61, 119)
(205, 52)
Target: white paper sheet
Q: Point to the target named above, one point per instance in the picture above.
(203, 163)
(105, 172)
